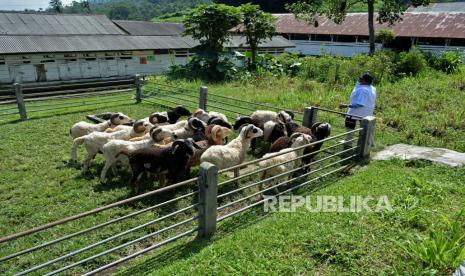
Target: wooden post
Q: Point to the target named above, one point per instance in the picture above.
(20, 100)
(208, 191)
(203, 97)
(310, 116)
(139, 83)
(366, 136)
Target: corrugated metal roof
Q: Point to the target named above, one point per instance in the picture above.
(56, 24)
(440, 7)
(90, 43)
(150, 28)
(96, 43)
(434, 25)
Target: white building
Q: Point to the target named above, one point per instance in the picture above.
(58, 47)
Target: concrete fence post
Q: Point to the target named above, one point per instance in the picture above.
(208, 204)
(310, 116)
(366, 136)
(18, 87)
(203, 97)
(139, 84)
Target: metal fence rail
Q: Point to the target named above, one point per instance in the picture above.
(211, 201)
(29, 99)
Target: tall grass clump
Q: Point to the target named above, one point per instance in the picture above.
(442, 249)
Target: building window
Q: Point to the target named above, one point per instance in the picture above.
(143, 60)
(125, 54)
(161, 52)
(90, 59)
(49, 56)
(71, 60)
(125, 57)
(109, 58)
(89, 55)
(70, 55)
(47, 61)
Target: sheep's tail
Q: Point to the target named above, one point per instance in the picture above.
(123, 152)
(76, 143)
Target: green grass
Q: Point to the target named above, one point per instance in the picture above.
(39, 186)
(327, 243)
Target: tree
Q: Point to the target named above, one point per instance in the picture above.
(211, 24)
(273, 6)
(390, 11)
(257, 26)
(56, 6)
(85, 5)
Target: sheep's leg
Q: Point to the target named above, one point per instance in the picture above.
(236, 172)
(86, 164)
(253, 144)
(103, 174)
(162, 180)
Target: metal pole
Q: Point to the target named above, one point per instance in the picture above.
(138, 82)
(203, 97)
(208, 192)
(366, 136)
(20, 100)
(310, 116)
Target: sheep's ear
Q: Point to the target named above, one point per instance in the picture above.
(114, 118)
(139, 127)
(154, 132)
(314, 127)
(175, 146)
(240, 121)
(296, 135)
(198, 112)
(290, 114)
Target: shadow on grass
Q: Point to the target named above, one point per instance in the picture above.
(57, 112)
(225, 228)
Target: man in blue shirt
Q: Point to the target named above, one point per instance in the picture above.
(361, 104)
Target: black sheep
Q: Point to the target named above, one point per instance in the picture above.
(169, 160)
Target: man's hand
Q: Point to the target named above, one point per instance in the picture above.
(343, 105)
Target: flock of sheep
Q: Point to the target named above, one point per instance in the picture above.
(164, 145)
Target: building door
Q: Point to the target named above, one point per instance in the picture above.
(40, 73)
(64, 71)
(122, 67)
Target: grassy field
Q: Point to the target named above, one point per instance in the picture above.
(39, 186)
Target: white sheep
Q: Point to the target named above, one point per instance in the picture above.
(83, 128)
(95, 141)
(299, 140)
(232, 154)
(112, 149)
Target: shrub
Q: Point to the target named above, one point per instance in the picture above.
(448, 62)
(411, 63)
(386, 36)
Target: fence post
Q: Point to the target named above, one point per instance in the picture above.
(138, 82)
(203, 97)
(310, 116)
(208, 191)
(366, 138)
(18, 87)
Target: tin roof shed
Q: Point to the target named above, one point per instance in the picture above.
(430, 25)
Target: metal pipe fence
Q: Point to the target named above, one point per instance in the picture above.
(30, 99)
(211, 201)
